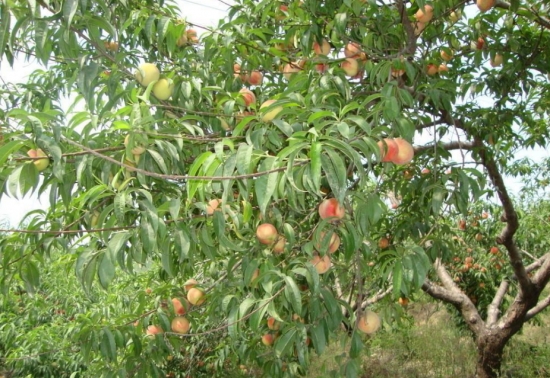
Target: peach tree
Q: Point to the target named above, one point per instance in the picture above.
(280, 178)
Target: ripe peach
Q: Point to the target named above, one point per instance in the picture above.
(484, 215)
(195, 296)
(369, 322)
(388, 149)
(442, 68)
(255, 78)
(273, 324)
(153, 330)
(405, 152)
(266, 233)
(432, 69)
(189, 284)
(419, 28)
(352, 50)
(321, 264)
(40, 164)
(321, 67)
(350, 66)
(322, 48)
(180, 325)
(192, 36)
(179, 307)
(334, 242)
(424, 15)
(446, 56)
(383, 243)
(494, 250)
(331, 208)
(248, 96)
(479, 237)
(238, 74)
(270, 115)
(290, 69)
(480, 43)
(212, 206)
(268, 339)
(485, 5)
(403, 301)
(462, 224)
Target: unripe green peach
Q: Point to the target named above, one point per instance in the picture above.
(163, 89)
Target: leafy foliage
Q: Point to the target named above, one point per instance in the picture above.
(132, 178)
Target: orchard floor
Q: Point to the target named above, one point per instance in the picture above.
(434, 347)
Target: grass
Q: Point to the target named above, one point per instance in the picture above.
(435, 348)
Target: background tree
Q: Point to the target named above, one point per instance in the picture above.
(293, 217)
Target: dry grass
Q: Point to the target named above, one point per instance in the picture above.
(435, 348)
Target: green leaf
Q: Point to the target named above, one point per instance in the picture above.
(108, 345)
(69, 10)
(106, 270)
(397, 278)
(265, 185)
(315, 158)
(356, 345)
(335, 172)
(284, 344)
(292, 294)
(4, 29)
(244, 158)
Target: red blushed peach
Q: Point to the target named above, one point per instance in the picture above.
(40, 164)
(333, 244)
(189, 284)
(192, 36)
(369, 322)
(248, 96)
(405, 152)
(432, 69)
(268, 339)
(273, 324)
(388, 149)
(331, 208)
(352, 50)
(321, 264)
(290, 69)
(180, 325)
(153, 330)
(424, 15)
(266, 233)
(195, 296)
(179, 307)
(237, 72)
(321, 67)
(350, 66)
(322, 48)
(255, 78)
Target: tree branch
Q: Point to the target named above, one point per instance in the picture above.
(493, 311)
(538, 308)
(446, 146)
(506, 237)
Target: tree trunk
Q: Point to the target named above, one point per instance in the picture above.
(490, 348)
